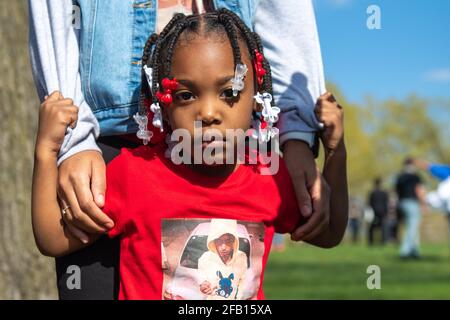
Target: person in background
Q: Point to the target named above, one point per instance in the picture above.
(439, 198)
(439, 171)
(378, 201)
(411, 200)
(355, 216)
(393, 219)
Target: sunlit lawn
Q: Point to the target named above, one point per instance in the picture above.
(306, 272)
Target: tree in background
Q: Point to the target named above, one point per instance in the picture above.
(380, 134)
(24, 273)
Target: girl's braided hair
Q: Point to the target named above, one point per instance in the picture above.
(159, 49)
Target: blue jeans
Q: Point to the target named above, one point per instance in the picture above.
(411, 211)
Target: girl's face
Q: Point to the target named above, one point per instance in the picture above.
(204, 68)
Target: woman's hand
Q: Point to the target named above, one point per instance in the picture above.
(311, 190)
(55, 115)
(82, 186)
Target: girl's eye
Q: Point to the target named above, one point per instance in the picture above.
(228, 94)
(184, 96)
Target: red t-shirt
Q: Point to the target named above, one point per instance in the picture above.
(181, 230)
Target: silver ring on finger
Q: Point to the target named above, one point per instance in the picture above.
(65, 211)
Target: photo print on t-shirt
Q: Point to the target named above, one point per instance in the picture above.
(212, 259)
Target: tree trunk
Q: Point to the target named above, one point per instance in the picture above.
(24, 272)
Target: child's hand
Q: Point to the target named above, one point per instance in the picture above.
(207, 288)
(55, 115)
(330, 113)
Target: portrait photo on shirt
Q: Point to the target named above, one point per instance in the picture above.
(211, 259)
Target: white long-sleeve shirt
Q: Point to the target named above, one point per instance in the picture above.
(54, 55)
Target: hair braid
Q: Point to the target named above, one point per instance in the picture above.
(242, 27)
(144, 83)
(232, 36)
(267, 83)
(253, 43)
(157, 51)
(172, 44)
(222, 22)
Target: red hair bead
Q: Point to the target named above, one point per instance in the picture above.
(166, 98)
(259, 69)
(168, 86)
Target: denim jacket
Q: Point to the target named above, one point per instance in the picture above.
(112, 36)
(114, 99)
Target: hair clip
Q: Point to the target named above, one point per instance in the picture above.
(238, 80)
(149, 74)
(259, 69)
(269, 113)
(262, 130)
(143, 132)
(266, 130)
(157, 116)
(263, 122)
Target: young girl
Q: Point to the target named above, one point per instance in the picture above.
(197, 228)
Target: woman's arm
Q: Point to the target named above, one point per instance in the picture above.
(289, 35)
(298, 80)
(56, 114)
(55, 55)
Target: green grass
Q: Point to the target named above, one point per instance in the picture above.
(307, 272)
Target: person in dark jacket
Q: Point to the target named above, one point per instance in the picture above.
(378, 201)
(411, 197)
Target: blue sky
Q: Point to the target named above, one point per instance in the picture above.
(410, 54)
